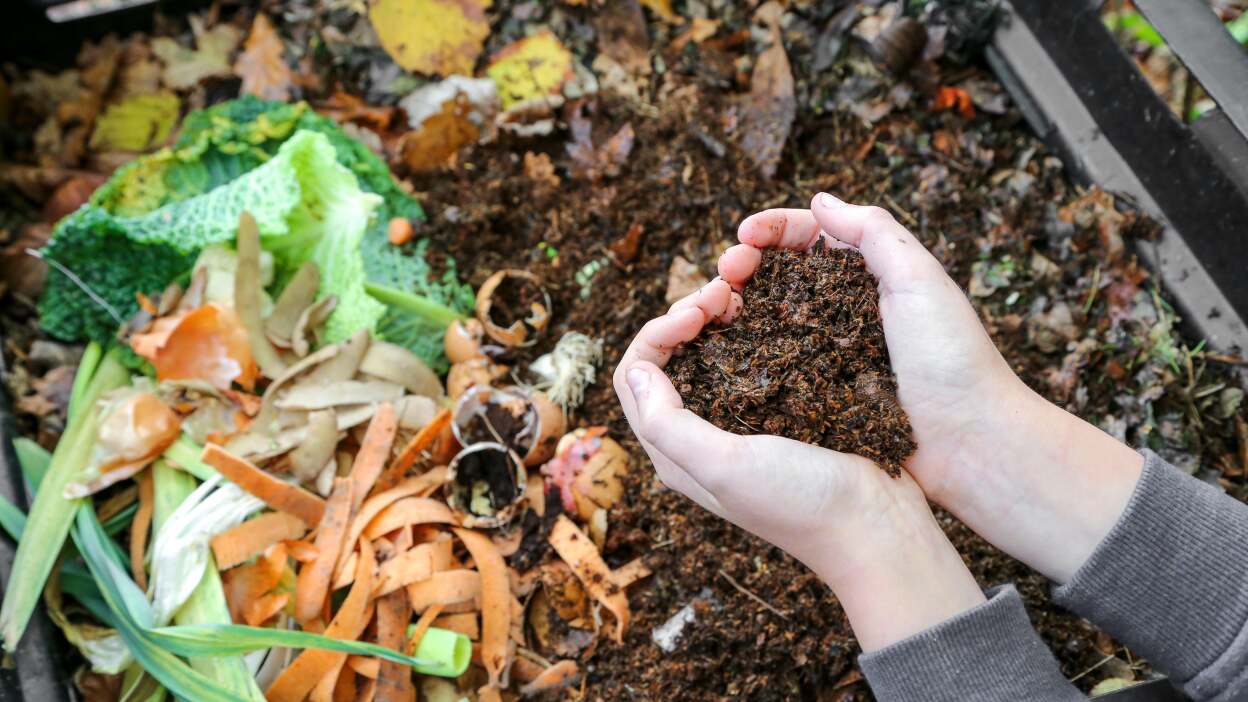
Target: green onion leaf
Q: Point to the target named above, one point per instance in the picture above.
(131, 609)
(51, 515)
(207, 604)
(453, 649)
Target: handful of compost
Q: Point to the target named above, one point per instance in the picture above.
(805, 359)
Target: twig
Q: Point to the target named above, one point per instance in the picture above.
(1096, 284)
(905, 215)
(1104, 660)
(741, 589)
(1221, 358)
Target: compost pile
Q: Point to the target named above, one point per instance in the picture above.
(806, 360)
(506, 212)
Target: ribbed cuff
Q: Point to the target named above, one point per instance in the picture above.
(986, 654)
(1170, 580)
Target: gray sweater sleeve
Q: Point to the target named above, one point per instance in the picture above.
(1171, 582)
(987, 654)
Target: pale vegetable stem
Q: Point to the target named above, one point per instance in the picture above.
(421, 306)
(207, 603)
(51, 515)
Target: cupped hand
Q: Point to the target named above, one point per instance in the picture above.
(1038, 482)
(951, 378)
(864, 533)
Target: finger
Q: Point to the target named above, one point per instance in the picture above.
(735, 303)
(654, 344)
(892, 253)
(671, 474)
(712, 299)
(656, 340)
(779, 228)
(738, 263)
(704, 452)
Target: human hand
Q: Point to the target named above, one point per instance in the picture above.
(872, 538)
(1031, 478)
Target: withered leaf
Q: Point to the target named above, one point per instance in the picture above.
(436, 37)
(260, 65)
(440, 136)
(767, 112)
(184, 68)
(622, 35)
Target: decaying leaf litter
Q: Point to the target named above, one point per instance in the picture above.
(600, 150)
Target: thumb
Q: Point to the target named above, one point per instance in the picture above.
(693, 444)
(892, 254)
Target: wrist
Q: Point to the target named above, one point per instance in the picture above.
(1040, 483)
(898, 576)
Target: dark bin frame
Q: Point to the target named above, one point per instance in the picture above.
(1056, 59)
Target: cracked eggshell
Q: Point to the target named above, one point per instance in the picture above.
(531, 322)
(490, 466)
(551, 424)
(542, 421)
(462, 341)
(476, 371)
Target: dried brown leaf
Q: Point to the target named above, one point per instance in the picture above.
(261, 66)
(622, 35)
(184, 68)
(767, 112)
(440, 136)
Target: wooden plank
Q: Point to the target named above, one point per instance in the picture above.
(1081, 92)
(1197, 37)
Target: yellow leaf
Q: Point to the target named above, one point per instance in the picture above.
(136, 123)
(529, 68)
(662, 8)
(442, 37)
(261, 66)
(184, 68)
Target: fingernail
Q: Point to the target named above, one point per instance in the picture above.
(638, 382)
(830, 201)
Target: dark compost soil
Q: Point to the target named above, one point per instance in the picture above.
(806, 360)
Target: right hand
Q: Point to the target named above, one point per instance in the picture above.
(1041, 484)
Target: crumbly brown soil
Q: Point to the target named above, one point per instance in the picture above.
(806, 359)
